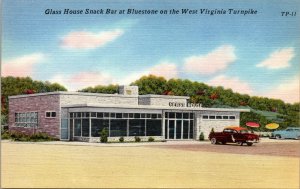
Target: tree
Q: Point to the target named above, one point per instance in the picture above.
(151, 85)
(24, 85)
(110, 89)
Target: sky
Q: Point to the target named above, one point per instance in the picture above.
(255, 54)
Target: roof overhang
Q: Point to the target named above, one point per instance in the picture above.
(120, 106)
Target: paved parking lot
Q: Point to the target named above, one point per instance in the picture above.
(185, 164)
(269, 147)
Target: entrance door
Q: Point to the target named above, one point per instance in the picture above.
(178, 129)
(171, 129)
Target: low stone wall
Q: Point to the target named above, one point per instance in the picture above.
(126, 139)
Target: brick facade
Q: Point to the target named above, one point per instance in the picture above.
(63, 102)
(39, 104)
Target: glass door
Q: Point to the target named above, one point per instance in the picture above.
(171, 129)
(178, 129)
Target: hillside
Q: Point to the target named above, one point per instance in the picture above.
(263, 110)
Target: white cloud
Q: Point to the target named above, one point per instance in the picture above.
(233, 83)
(89, 40)
(278, 59)
(22, 66)
(81, 80)
(217, 60)
(167, 70)
(287, 91)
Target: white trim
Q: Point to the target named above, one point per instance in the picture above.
(149, 107)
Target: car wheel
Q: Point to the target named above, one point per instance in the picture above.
(213, 141)
(249, 143)
(278, 137)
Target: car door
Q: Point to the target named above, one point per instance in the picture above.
(227, 135)
(238, 136)
(288, 133)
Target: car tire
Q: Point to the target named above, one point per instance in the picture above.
(277, 136)
(249, 143)
(213, 141)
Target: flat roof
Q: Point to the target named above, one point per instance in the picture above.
(163, 96)
(155, 107)
(97, 94)
(73, 93)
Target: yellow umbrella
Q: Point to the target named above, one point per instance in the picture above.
(272, 126)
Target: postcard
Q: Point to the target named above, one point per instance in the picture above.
(150, 94)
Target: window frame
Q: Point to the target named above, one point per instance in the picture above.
(51, 114)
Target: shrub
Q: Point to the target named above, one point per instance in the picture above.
(103, 135)
(137, 139)
(121, 139)
(5, 135)
(201, 137)
(151, 139)
(18, 136)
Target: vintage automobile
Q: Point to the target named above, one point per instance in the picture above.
(290, 132)
(237, 135)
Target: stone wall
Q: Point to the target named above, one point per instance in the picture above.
(69, 99)
(205, 126)
(39, 104)
(127, 139)
(156, 100)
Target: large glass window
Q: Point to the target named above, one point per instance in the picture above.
(191, 128)
(136, 127)
(85, 127)
(153, 127)
(179, 125)
(28, 119)
(118, 127)
(77, 127)
(118, 124)
(98, 125)
(64, 130)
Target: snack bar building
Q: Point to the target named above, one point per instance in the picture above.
(81, 116)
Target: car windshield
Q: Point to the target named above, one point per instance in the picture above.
(244, 131)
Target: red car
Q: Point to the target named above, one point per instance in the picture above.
(237, 135)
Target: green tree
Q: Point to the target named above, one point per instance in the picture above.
(151, 85)
(24, 85)
(110, 89)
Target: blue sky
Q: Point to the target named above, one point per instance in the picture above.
(254, 54)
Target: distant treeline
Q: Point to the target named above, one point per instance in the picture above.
(24, 85)
(263, 110)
